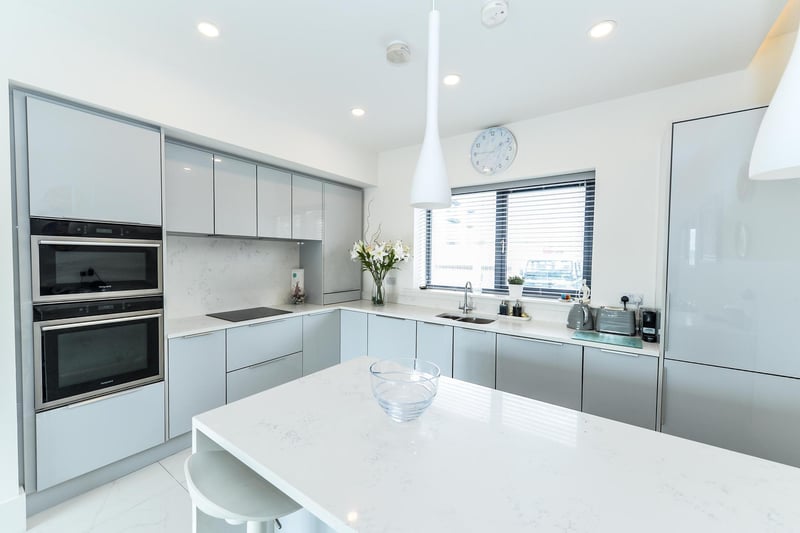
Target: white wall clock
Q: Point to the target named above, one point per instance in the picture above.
(493, 150)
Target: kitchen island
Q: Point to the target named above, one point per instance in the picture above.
(484, 460)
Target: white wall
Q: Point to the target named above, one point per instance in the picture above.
(626, 141)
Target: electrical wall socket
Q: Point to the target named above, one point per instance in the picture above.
(633, 298)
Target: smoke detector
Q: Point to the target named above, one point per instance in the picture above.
(398, 52)
(494, 13)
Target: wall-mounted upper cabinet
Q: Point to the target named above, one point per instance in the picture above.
(88, 166)
(189, 177)
(234, 197)
(274, 203)
(342, 225)
(306, 208)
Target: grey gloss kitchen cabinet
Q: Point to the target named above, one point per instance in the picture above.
(306, 208)
(189, 184)
(274, 203)
(234, 197)
(353, 335)
(391, 337)
(196, 378)
(743, 411)
(256, 343)
(620, 386)
(321, 340)
(474, 356)
(343, 208)
(543, 370)
(89, 166)
(435, 344)
(79, 438)
(260, 377)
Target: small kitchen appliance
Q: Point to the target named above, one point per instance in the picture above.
(580, 315)
(621, 321)
(651, 319)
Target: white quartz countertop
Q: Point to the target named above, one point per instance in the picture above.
(484, 460)
(535, 329)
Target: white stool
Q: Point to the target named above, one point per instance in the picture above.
(223, 487)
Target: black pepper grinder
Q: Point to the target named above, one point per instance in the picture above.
(517, 310)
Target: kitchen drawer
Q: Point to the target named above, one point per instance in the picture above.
(256, 343)
(543, 370)
(79, 438)
(620, 386)
(252, 379)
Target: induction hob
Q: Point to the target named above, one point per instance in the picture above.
(241, 315)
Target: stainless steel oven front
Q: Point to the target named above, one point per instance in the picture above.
(77, 261)
(84, 350)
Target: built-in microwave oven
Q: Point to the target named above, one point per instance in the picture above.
(77, 261)
(83, 350)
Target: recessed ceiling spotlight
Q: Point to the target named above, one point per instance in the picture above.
(358, 112)
(208, 29)
(602, 29)
(217, 160)
(451, 79)
(187, 169)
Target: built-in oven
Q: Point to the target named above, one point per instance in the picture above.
(74, 260)
(88, 349)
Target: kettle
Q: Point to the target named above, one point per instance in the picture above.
(580, 317)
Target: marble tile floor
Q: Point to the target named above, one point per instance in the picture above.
(151, 500)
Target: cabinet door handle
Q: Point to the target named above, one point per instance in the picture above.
(193, 335)
(100, 398)
(615, 352)
(542, 341)
(663, 396)
(263, 363)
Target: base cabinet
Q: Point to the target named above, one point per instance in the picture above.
(743, 411)
(435, 344)
(474, 356)
(391, 337)
(79, 438)
(353, 341)
(260, 377)
(542, 370)
(321, 339)
(256, 343)
(620, 386)
(196, 377)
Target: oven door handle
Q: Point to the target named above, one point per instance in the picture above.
(90, 243)
(101, 322)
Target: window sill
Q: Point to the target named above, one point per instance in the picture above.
(489, 297)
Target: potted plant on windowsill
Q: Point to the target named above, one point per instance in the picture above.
(515, 287)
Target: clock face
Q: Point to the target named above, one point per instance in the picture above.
(493, 150)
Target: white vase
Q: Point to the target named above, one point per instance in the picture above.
(515, 292)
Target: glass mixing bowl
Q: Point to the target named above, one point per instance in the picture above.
(404, 387)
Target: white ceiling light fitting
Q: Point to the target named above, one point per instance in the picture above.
(358, 112)
(451, 79)
(430, 188)
(494, 13)
(398, 53)
(776, 152)
(602, 29)
(208, 29)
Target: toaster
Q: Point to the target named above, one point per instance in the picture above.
(616, 320)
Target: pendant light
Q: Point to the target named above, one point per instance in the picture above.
(776, 153)
(430, 188)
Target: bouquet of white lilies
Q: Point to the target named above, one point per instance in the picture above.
(378, 258)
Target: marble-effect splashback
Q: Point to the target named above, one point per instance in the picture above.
(208, 274)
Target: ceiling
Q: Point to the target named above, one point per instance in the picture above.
(311, 61)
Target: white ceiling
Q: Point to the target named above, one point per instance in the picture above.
(310, 61)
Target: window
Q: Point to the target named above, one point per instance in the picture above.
(540, 230)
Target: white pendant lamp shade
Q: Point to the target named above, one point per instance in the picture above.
(776, 153)
(430, 188)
